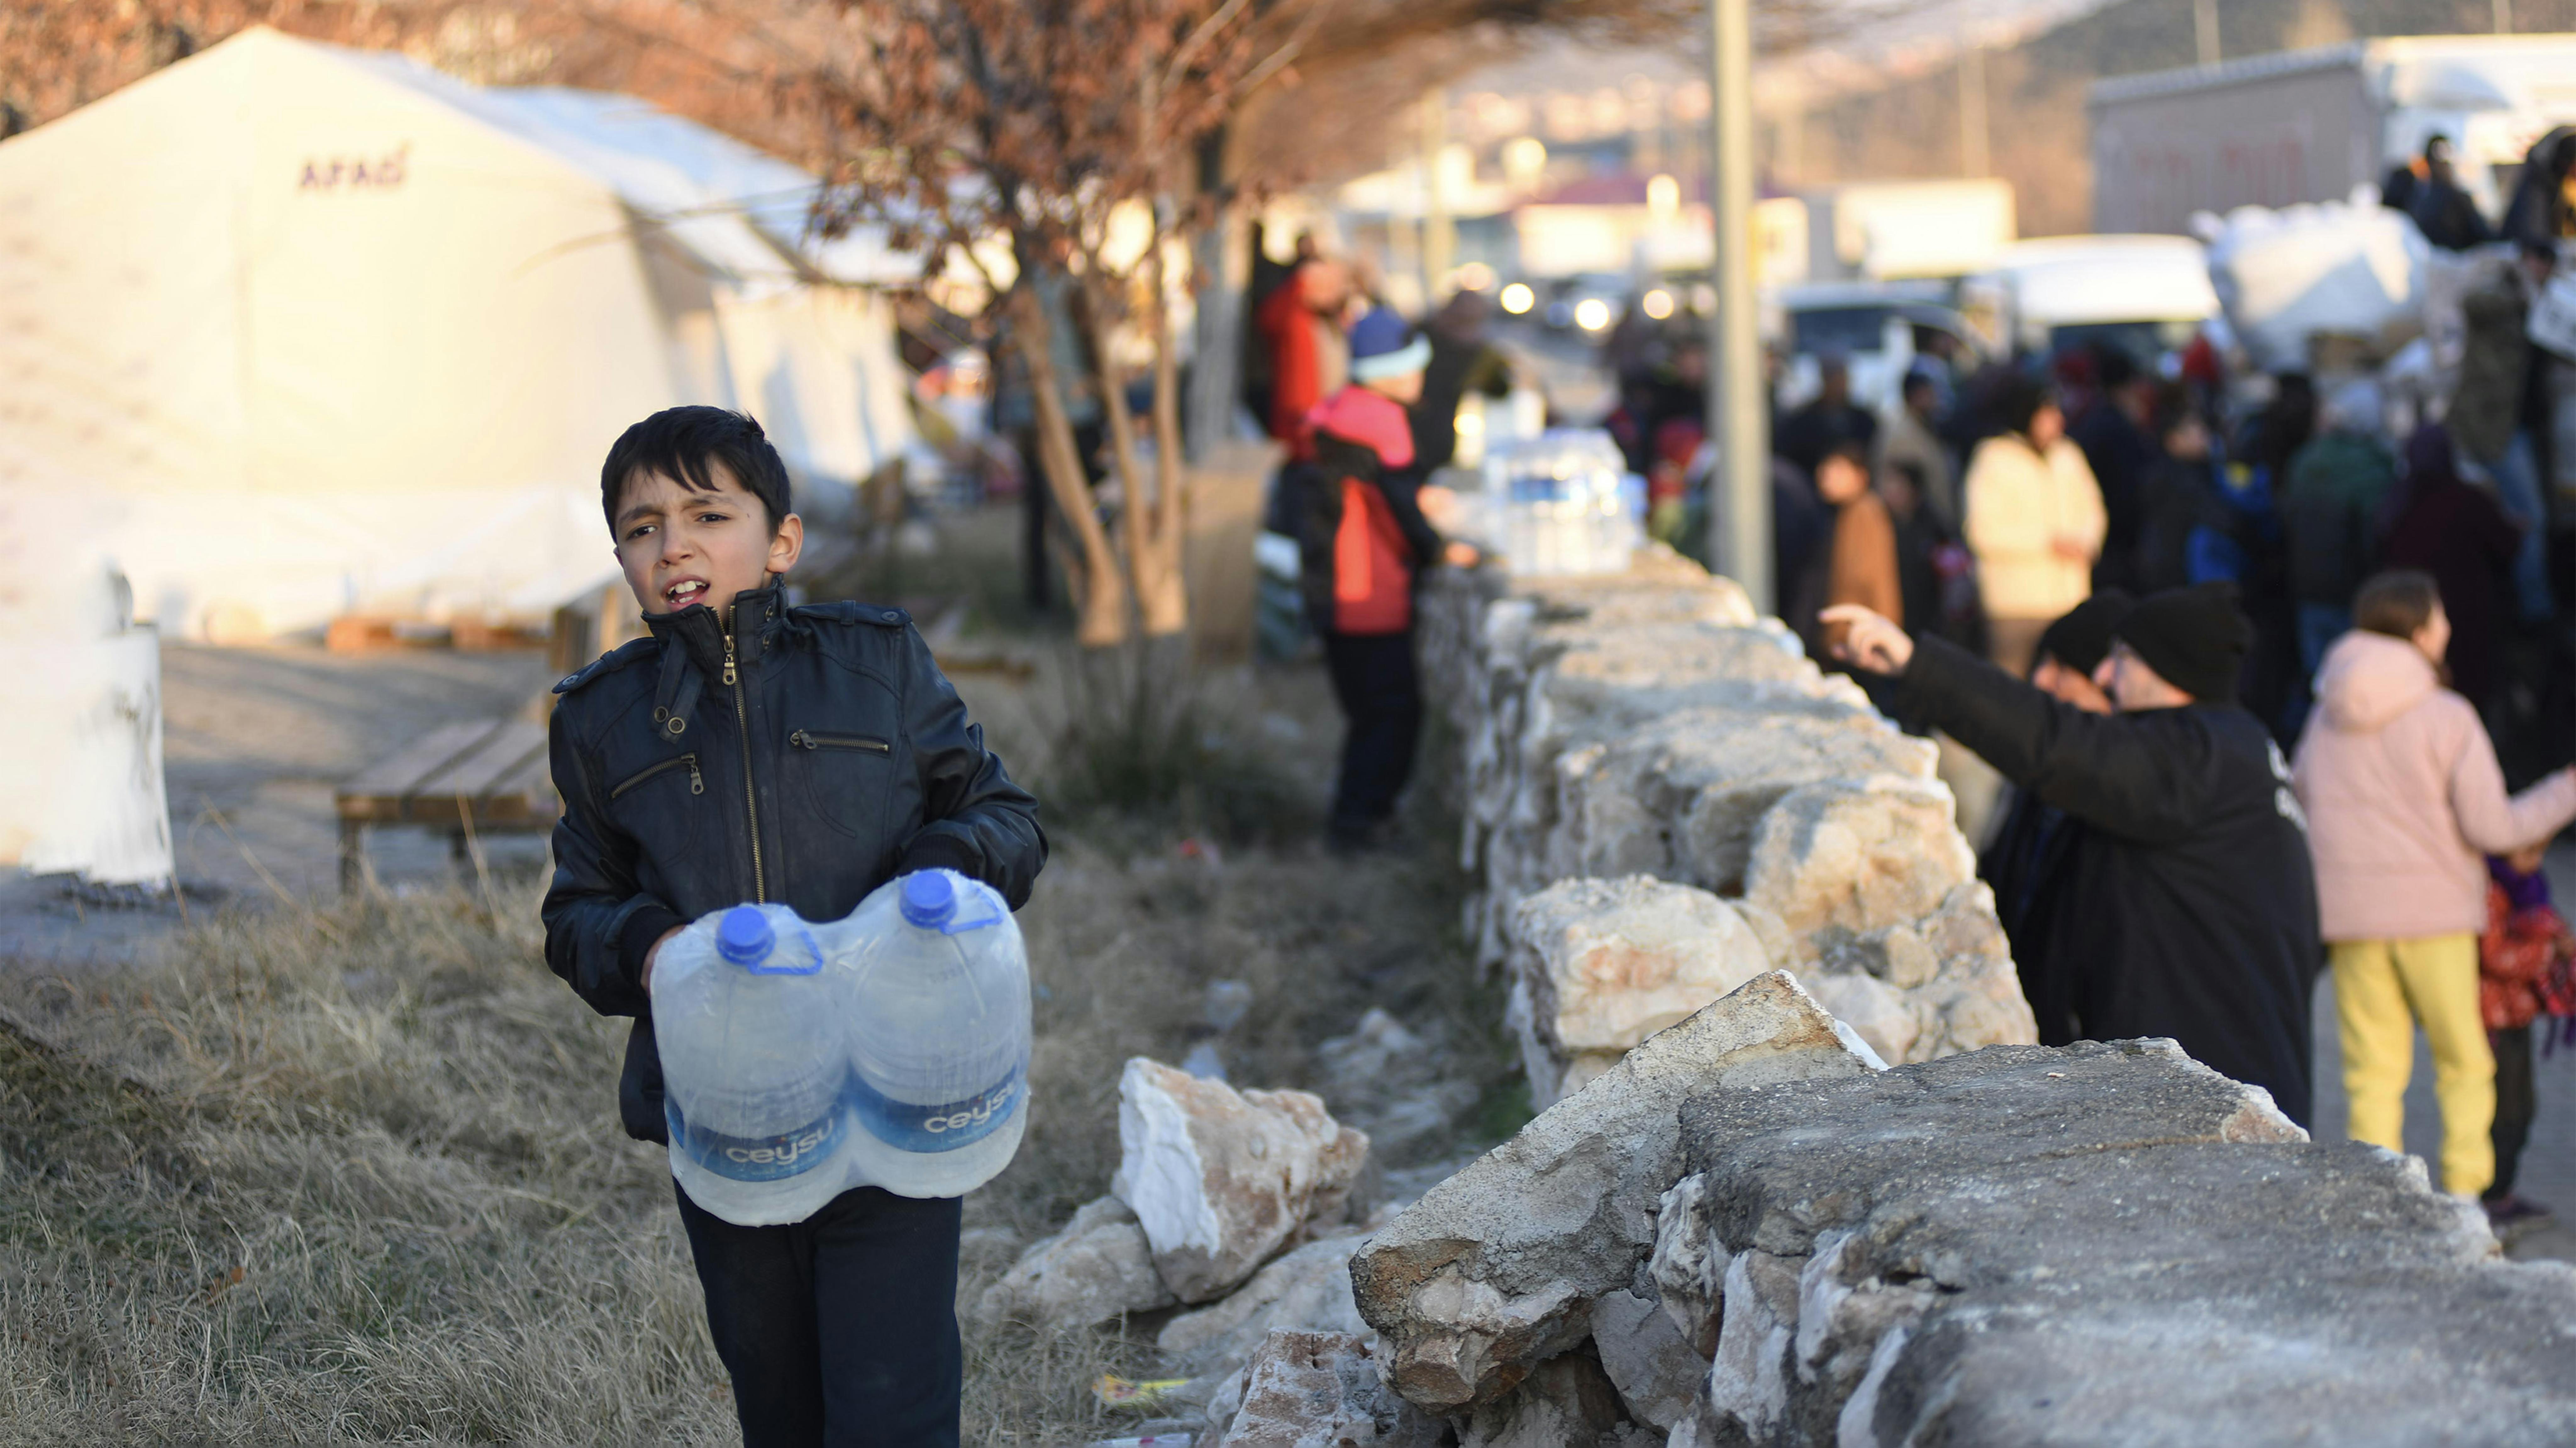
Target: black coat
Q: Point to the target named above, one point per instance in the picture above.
(2023, 863)
(2185, 904)
(838, 758)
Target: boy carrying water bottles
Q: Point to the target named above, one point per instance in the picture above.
(747, 751)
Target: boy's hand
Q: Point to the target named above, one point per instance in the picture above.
(655, 954)
(1461, 555)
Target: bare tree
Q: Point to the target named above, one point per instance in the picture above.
(1061, 128)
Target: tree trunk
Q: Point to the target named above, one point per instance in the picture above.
(1216, 363)
(1162, 584)
(1099, 591)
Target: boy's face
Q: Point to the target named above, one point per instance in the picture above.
(681, 548)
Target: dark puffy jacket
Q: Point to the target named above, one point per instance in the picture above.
(2184, 904)
(810, 758)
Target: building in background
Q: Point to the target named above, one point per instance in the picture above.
(2311, 125)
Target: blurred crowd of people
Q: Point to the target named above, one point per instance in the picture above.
(1985, 505)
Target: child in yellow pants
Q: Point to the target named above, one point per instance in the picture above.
(2382, 989)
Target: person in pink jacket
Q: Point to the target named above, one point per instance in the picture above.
(2404, 801)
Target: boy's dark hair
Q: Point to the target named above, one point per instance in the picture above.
(2396, 603)
(678, 443)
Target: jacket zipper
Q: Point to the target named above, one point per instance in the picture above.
(804, 740)
(697, 781)
(750, 803)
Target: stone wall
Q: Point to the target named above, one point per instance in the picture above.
(1744, 1232)
(1727, 896)
(1665, 798)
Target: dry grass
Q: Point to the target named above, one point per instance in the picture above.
(353, 1174)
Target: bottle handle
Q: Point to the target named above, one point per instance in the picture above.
(813, 948)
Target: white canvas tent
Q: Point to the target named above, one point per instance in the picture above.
(313, 330)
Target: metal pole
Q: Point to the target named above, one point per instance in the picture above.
(1972, 109)
(1439, 233)
(2204, 29)
(1740, 486)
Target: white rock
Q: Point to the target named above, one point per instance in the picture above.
(1610, 962)
(1220, 1180)
(1098, 1268)
(1857, 856)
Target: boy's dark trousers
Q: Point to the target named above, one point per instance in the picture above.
(2517, 1102)
(1381, 697)
(841, 1329)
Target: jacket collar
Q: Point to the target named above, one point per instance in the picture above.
(700, 631)
(696, 635)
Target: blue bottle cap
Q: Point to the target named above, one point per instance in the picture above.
(743, 936)
(928, 899)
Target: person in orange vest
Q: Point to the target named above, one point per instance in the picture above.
(1363, 541)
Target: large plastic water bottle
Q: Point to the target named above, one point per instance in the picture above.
(938, 1033)
(753, 1068)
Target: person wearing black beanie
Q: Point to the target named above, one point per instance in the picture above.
(2195, 639)
(2183, 903)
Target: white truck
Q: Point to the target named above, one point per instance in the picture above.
(2312, 125)
(2144, 294)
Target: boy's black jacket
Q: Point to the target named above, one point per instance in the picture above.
(836, 758)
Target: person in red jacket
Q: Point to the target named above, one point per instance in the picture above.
(1363, 541)
(1300, 322)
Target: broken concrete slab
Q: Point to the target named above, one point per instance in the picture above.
(1220, 1180)
(1495, 1269)
(1097, 1269)
(1322, 1390)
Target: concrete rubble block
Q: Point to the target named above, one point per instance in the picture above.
(1860, 856)
(1307, 1290)
(2208, 1293)
(1221, 1180)
(1097, 1269)
(1565, 1402)
(1611, 962)
(1494, 1270)
(2105, 1243)
(1322, 1390)
(1999, 1109)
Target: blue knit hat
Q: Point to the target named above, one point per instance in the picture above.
(1383, 345)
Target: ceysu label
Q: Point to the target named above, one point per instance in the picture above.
(942, 1127)
(759, 1158)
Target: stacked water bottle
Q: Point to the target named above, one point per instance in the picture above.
(1563, 502)
(888, 1049)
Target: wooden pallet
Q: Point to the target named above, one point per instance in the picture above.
(487, 777)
